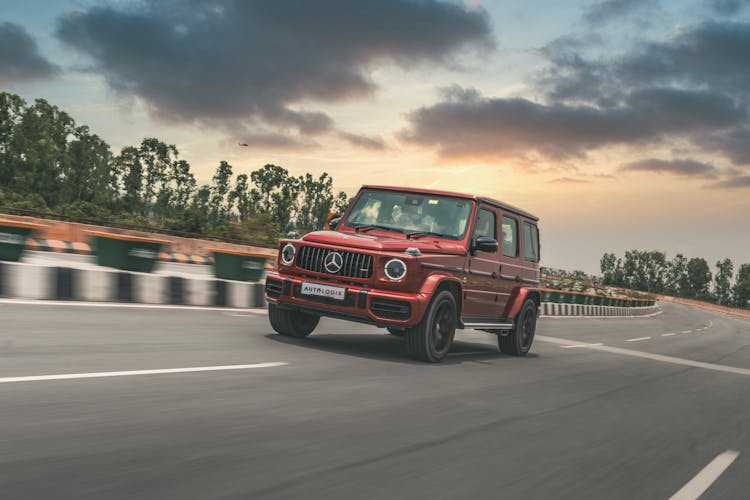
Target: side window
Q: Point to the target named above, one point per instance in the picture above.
(530, 242)
(510, 237)
(486, 224)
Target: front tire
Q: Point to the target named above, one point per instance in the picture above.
(432, 338)
(518, 341)
(396, 332)
(291, 323)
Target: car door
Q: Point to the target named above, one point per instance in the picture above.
(481, 297)
(512, 269)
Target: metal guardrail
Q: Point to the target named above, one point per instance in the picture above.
(562, 297)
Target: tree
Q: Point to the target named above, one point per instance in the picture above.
(87, 174)
(722, 285)
(219, 205)
(741, 290)
(698, 279)
(676, 276)
(129, 173)
(316, 200)
(607, 264)
(39, 148)
(11, 110)
(276, 192)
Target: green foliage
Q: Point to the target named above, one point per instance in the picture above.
(680, 277)
(741, 290)
(48, 163)
(722, 282)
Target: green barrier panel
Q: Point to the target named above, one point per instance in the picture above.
(546, 296)
(126, 253)
(13, 237)
(236, 266)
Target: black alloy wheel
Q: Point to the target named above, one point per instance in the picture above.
(518, 341)
(291, 323)
(431, 340)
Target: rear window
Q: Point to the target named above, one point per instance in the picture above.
(530, 242)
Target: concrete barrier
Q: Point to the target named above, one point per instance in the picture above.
(553, 309)
(38, 282)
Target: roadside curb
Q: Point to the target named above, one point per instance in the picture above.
(40, 282)
(557, 310)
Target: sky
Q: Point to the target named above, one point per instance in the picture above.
(622, 124)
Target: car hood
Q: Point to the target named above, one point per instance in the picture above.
(383, 243)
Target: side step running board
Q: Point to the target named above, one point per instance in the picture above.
(489, 325)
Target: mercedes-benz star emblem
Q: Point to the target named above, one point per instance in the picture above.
(333, 262)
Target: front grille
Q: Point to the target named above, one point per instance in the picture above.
(392, 309)
(273, 288)
(354, 265)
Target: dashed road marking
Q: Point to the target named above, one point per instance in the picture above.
(70, 376)
(687, 331)
(668, 334)
(579, 345)
(706, 477)
(638, 339)
(653, 357)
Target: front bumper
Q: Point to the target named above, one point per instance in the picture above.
(361, 304)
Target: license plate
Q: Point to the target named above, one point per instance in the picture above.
(332, 292)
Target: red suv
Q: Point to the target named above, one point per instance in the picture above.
(418, 262)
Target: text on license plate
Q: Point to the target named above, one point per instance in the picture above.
(333, 292)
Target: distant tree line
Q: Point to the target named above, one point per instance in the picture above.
(651, 271)
(49, 163)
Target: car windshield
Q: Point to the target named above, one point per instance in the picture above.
(420, 214)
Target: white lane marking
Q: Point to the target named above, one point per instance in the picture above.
(653, 357)
(579, 345)
(706, 477)
(667, 334)
(686, 331)
(69, 376)
(80, 303)
(710, 323)
(638, 339)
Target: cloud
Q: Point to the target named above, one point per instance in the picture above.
(734, 143)
(20, 60)
(466, 124)
(609, 10)
(733, 182)
(258, 63)
(727, 7)
(569, 180)
(689, 88)
(682, 168)
(363, 141)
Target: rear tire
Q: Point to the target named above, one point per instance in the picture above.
(291, 323)
(518, 341)
(432, 338)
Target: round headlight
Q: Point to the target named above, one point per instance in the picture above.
(287, 254)
(395, 269)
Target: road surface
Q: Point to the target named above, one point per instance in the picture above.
(631, 408)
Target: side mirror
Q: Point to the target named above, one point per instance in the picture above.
(333, 223)
(486, 244)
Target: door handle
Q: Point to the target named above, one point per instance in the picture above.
(494, 275)
(518, 279)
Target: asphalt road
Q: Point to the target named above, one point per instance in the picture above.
(348, 416)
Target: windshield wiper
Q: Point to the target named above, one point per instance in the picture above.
(367, 227)
(417, 234)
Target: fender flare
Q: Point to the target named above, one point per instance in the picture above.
(517, 297)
